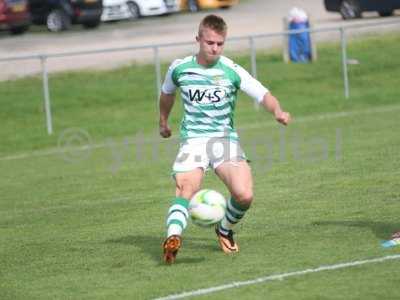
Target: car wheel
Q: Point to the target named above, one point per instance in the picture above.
(134, 10)
(386, 13)
(193, 6)
(57, 21)
(350, 9)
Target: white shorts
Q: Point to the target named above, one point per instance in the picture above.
(205, 153)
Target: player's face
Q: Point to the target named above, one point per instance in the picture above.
(211, 45)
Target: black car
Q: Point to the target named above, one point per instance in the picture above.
(351, 9)
(58, 15)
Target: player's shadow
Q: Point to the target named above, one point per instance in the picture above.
(151, 245)
(382, 230)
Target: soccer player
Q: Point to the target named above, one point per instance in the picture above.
(208, 84)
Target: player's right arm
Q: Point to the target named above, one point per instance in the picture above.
(166, 104)
(167, 99)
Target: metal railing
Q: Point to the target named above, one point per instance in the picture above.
(43, 58)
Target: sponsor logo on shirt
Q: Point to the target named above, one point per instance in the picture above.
(206, 96)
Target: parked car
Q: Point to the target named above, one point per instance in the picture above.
(134, 9)
(351, 9)
(14, 16)
(196, 5)
(58, 15)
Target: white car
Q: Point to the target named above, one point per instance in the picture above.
(133, 9)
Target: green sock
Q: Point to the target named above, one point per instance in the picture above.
(234, 213)
(177, 216)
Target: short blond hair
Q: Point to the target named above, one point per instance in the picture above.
(213, 22)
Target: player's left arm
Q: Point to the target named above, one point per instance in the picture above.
(272, 105)
(262, 95)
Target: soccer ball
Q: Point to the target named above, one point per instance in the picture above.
(207, 207)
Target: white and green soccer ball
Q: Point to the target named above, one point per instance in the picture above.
(207, 207)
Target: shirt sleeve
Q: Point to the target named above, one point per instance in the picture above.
(250, 85)
(169, 86)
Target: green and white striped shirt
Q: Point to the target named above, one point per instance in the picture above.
(209, 95)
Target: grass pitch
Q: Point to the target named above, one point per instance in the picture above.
(89, 223)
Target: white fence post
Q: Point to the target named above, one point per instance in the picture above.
(314, 53)
(47, 104)
(344, 63)
(285, 39)
(253, 57)
(158, 71)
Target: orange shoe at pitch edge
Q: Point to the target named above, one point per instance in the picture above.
(226, 242)
(171, 246)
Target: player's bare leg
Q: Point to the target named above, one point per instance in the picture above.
(238, 179)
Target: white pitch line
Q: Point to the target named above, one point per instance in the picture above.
(307, 119)
(276, 277)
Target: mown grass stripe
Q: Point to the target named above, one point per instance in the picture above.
(307, 119)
